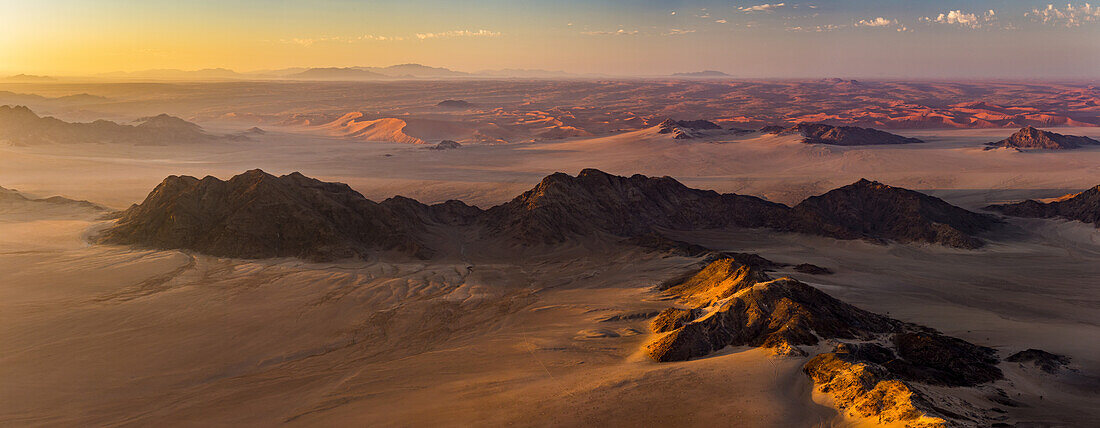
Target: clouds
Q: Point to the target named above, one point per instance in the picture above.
(767, 7)
(1069, 16)
(963, 19)
(619, 32)
(876, 22)
(312, 41)
(457, 33)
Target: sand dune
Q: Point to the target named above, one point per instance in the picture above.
(385, 129)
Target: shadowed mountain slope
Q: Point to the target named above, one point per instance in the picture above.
(872, 210)
(818, 133)
(562, 206)
(1084, 207)
(257, 215)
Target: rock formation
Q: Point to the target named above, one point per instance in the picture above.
(872, 210)
(446, 145)
(1032, 138)
(686, 129)
(563, 207)
(257, 215)
(454, 104)
(877, 369)
(1084, 207)
(1048, 362)
(818, 133)
(323, 221)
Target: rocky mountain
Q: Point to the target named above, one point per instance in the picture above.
(258, 215)
(562, 207)
(1033, 138)
(20, 125)
(818, 133)
(872, 210)
(687, 129)
(454, 104)
(1084, 206)
(877, 368)
(255, 215)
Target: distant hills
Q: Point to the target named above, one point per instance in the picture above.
(704, 73)
(398, 71)
(21, 126)
(29, 78)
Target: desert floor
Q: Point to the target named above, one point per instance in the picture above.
(105, 335)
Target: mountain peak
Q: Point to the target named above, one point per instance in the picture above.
(1030, 137)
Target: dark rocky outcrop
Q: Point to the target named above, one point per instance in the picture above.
(562, 207)
(454, 104)
(1048, 362)
(257, 215)
(446, 145)
(686, 129)
(812, 269)
(1033, 138)
(872, 210)
(819, 133)
(1084, 207)
(20, 125)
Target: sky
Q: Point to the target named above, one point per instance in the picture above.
(751, 39)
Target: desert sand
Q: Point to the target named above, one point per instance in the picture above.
(111, 335)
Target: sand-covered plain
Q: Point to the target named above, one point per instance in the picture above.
(104, 335)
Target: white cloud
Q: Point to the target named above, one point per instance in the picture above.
(677, 32)
(767, 7)
(310, 41)
(620, 32)
(875, 22)
(457, 33)
(721, 21)
(963, 19)
(1070, 16)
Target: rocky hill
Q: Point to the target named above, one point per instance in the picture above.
(818, 133)
(877, 369)
(1034, 138)
(1084, 206)
(258, 215)
(687, 129)
(872, 210)
(19, 125)
(594, 202)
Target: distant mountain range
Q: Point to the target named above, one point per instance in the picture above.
(704, 73)
(21, 126)
(399, 71)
